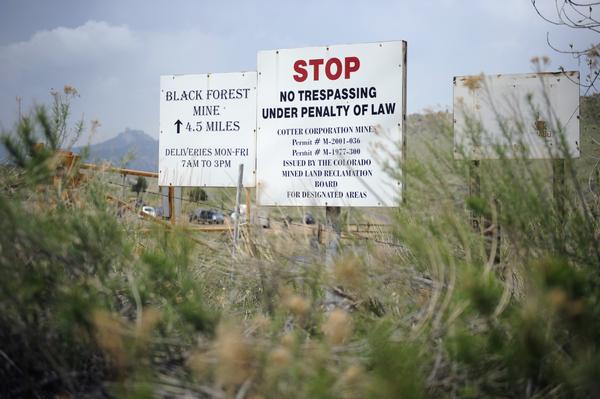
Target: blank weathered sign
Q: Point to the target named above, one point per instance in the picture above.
(516, 115)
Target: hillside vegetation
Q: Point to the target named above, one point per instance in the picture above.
(93, 305)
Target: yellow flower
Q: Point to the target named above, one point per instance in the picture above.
(235, 356)
(350, 273)
(280, 357)
(473, 82)
(297, 305)
(108, 336)
(338, 327)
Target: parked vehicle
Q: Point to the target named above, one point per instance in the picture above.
(217, 217)
(308, 218)
(242, 213)
(262, 219)
(195, 215)
(209, 216)
(149, 210)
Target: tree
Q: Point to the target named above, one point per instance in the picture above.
(140, 186)
(576, 15)
(198, 194)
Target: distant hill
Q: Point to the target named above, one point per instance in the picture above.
(431, 128)
(131, 149)
(3, 154)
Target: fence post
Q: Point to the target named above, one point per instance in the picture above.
(172, 204)
(248, 205)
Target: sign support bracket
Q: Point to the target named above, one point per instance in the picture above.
(238, 198)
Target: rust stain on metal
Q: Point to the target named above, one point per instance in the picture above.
(472, 82)
(557, 73)
(542, 129)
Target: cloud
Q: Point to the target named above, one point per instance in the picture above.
(507, 10)
(115, 69)
(62, 47)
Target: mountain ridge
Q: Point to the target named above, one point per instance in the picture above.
(133, 149)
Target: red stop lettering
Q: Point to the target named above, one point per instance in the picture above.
(334, 68)
(301, 72)
(316, 63)
(338, 68)
(351, 65)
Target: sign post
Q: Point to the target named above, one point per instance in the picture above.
(559, 190)
(172, 214)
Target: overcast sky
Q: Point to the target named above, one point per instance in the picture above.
(113, 51)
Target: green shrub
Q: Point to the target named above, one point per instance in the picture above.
(100, 305)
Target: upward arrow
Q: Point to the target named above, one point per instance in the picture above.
(178, 124)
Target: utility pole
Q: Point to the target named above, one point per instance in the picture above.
(19, 99)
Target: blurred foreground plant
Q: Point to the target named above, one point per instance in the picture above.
(82, 313)
(94, 307)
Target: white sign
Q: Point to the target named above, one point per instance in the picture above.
(517, 115)
(207, 128)
(328, 120)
